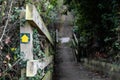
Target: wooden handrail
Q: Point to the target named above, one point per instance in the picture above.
(34, 18)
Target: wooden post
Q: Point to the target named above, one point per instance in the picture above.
(26, 40)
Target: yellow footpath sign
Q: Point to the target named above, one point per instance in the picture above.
(25, 37)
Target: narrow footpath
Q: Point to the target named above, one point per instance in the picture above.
(66, 67)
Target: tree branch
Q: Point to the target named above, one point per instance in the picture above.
(6, 24)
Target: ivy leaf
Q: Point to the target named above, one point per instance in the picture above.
(100, 6)
(50, 6)
(9, 65)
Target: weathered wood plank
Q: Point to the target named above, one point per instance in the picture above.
(31, 68)
(26, 47)
(73, 42)
(48, 76)
(47, 51)
(34, 18)
(34, 65)
(75, 38)
(45, 63)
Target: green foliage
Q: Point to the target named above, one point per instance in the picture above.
(16, 13)
(96, 22)
(47, 9)
(38, 53)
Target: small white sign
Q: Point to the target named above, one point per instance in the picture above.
(65, 39)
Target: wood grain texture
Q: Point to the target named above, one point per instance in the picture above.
(27, 48)
(36, 21)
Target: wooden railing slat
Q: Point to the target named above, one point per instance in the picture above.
(33, 16)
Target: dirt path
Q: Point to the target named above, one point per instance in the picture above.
(66, 68)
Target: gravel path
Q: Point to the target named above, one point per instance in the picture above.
(66, 67)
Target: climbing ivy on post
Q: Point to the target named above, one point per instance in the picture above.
(37, 52)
